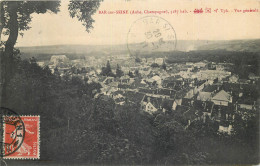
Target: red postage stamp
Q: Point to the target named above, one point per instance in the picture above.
(22, 138)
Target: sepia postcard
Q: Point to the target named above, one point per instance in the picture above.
(129, 82)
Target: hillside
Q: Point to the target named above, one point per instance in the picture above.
(76, 51)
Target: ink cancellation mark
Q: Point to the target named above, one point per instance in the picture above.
(151, 34)
(12, 132)
(30, 148)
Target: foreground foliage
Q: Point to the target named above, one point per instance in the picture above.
(95, 130)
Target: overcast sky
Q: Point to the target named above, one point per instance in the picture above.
(54, 29)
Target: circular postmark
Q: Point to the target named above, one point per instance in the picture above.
(3, 163)
(12, 132)
(151, 34)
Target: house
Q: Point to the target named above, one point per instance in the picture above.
(118, 97)
(108, 80)
(207, 92)
(246, 102)
(200, 64)
(113, 84)
(204, 96)
(146, 90)
(159, 61)
(41, 64)
(134, 97)
(150, 60)
(222, 98)
(220, 67)
(212, 74)
(223, 113)
(157, 79)
(152, 104)
(186, 115)
(252, 76)
(55, 59)
(124, 86)
(145, 72)
(233, 79)
(139, 83)
(107, 90)
(206, 107)
(187, 102)
(165, 93)
(225, 127)
(191, 92)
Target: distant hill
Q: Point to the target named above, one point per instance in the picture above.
(76, 51)
(233, 45)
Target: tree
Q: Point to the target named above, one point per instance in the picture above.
(108, 67)
(137, 74)
(106, 71)
(73, 70)
(131, 74)
(83, 11)
(83, 70)
(138, 60)
(15, 17)
(154, 65)
(56, 71)
(119, 72)
(164, 66)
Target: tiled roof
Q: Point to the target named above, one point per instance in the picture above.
(124, 86)
(199, 82)
(210, 88)
(204, 96)
(147, 90)
(117, 92)
(163, 91)
(181, 109)
(222, 96)
(134, 97)
(138, 83)
(156, 102)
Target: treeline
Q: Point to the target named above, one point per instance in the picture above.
(47, 57)
(77, 127)
(244, 62)
(218, 56)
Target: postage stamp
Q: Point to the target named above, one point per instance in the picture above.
(14, 122)
(151, 34)
(21, 137)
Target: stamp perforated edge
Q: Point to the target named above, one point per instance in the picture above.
(39, 143)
